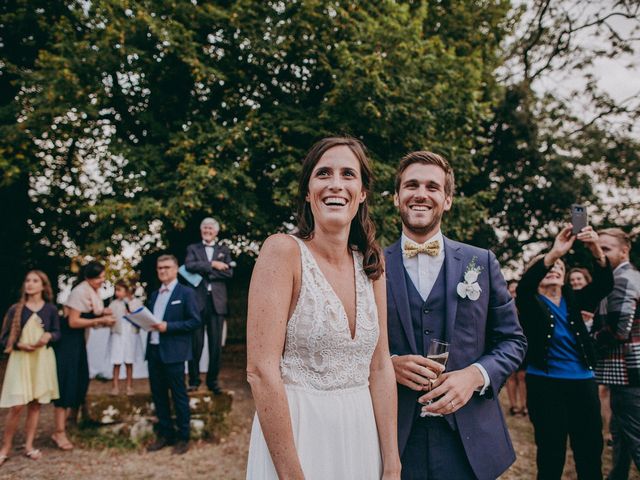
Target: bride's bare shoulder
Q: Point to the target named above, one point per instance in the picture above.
(280, 245)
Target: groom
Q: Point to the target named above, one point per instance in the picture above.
(441, 289)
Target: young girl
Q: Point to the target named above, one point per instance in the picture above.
(30, 379)
(125, 344)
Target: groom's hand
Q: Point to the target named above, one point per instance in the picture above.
(415, 371)
(453, 390)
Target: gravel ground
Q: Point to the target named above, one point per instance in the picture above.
(224, 461)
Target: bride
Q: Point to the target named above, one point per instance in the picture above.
(317, 354)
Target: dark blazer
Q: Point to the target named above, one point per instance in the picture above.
(196, 262)
(182, 317)
(50, 323)
(485, 331)
(538, 323)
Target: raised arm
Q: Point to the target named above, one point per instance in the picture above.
(272, 292)
(382, 382)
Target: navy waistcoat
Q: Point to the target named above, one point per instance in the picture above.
(429, 316)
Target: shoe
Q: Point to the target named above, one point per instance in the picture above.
(34, 454)
(513, 411)
(63, 444)
(216, 390)
(524, 412)
(180, 448)
(158, 444)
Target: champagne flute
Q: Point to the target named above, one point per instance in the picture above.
(438, 352)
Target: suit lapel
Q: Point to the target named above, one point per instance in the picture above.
(174, 296)
(398, 286)
(453, 272)
(202, 252)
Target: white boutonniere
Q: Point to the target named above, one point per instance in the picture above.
(469, 287)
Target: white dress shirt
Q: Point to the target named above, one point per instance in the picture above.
(208, 248)
(160, 307)
(423, 270)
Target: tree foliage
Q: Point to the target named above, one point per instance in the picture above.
(124, 123)
(135, 112)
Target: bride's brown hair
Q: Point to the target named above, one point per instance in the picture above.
(13, 323)
(362, 234)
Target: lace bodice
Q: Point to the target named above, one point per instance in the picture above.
(319, 352)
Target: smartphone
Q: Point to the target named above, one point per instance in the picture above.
(578, 217)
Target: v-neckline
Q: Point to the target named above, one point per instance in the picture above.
(352, 336)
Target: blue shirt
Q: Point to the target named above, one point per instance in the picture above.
(563, 358)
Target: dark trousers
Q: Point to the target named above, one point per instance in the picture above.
(559, 408)
(625, 430)
(212, 322)
(165, 377)
(435, 452)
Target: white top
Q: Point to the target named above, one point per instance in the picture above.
(319, 353)
(159, 308)
(85, 299)
(424, 269)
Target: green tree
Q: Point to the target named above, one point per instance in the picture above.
(141, 117)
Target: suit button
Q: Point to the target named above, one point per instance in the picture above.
(427, 332)
(426, 310)
(552, 325)
(549, 336)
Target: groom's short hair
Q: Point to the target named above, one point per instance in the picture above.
(427, 158)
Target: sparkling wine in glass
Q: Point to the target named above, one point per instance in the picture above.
(438, 352)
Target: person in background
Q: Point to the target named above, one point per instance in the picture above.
(30, 378)
(125, 346)
(83, 309)
(618, 340)
(516, 386)
(562, 395)
(212, 260)
(579, 277)
(168, 347)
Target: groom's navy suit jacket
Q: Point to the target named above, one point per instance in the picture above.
(484, 331)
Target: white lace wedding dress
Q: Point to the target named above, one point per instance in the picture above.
(326, 377)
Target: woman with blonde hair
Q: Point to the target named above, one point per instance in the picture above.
(30, 379)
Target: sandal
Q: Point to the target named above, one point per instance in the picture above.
(513, 411)
(34, 454)
(66, 446)
(524, 411)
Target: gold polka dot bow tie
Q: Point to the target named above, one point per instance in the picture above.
(411, 249)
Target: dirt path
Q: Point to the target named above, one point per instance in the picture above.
(225, 461)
